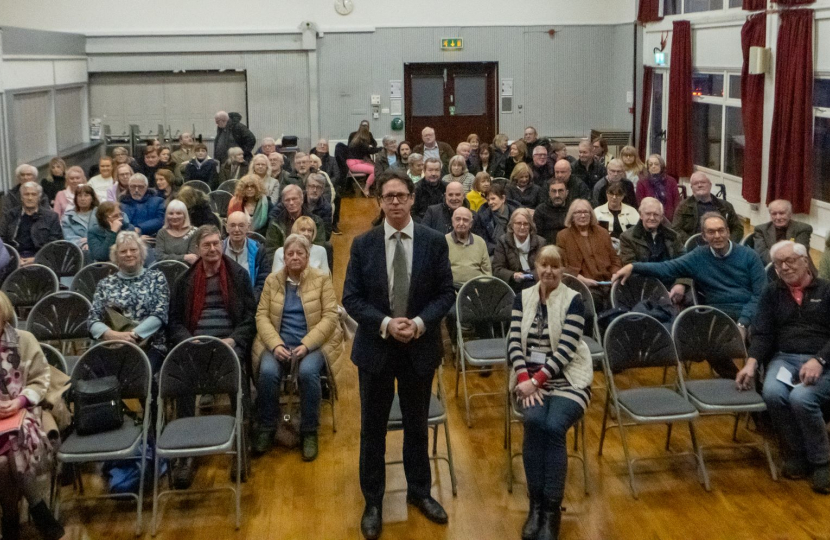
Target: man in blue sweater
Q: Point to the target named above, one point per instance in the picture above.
(727, 276)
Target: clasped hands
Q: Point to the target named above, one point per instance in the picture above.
(402, 329)
(284, 354)
(10, 408)
(528, 394)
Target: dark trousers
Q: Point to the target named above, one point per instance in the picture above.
(377, 391)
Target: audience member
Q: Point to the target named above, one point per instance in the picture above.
(388, 155)
(467, 251)
(353, 134)
(202, 167)
(230, 132)
(282, 218)
(659, 185)
(532, 141)
(599, 147)
(318, 258)
(143, 208)
(587, 168)
(634, 166)
(559, 150)
(485, 161)
(577, 189)
(359, 156)
(176, 241)
(522, 189)
(615, 215)
(790, 337)
(515, 254)
(121, 156)
(278, 177)
(430, 148)
(316, 203)
(149, 164)
(77, 220)
(166, 159)
(490, 221)
(260, 167)
(477, 197)
(65, 199)
(518, 152)
(103, 230)
(121, 187)
(824, 263)
(250, 198)
(402, 155)
(267, 147)
(549, 216)
(55, 180)
(104, 179)
(781, 227)
(459, 173)
(198, 207)
(233, 168)
(438, 217)
(29, 227)
(296, 321)
(686, 221)
(430, 191)
(186, 151)
(12, 198)
(541, 167)
(302, 168)
(500, 152)
(246, 252)
(167, 185)
(328, 164)
(415, 169)
(614, 174)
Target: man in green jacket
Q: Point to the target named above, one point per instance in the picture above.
(687, 216)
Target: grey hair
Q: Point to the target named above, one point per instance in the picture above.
(297, 239)
(619, 163)
(712, 215)
(289, 188)
(415, 156)
(25, 167)
(124, 237)
(178, 205)
(32, 184)
(268, 140)
(139, 176)
(317, 177)
(388, 139)
(798, 249)
(651, 200)
(787, 204)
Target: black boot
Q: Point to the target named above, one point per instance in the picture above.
(534, 518)
(49, 527)
(11, 527)
(551, 517)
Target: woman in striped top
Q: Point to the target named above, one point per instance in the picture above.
(551, 378)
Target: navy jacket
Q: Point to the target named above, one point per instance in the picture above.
(146, 213)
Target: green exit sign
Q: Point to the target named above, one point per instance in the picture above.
(451, 44)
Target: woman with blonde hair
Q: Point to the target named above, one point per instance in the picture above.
(55, 180)
(477, 197)
(518, 152)
(459, 173)
(176, 239)
(261, 168)
(65, 199)
(318, 258)
(522, 189)
(634, 166)
(250, 198)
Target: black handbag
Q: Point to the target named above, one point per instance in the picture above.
(98, 406)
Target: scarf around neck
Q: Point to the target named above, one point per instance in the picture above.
(200, 292)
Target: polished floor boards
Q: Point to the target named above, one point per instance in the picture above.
(287, 498)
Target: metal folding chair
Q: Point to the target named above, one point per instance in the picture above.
(256, 236)
(64, 258)
(62, 317)
(693, 241)
(14, 263)
(749, 240)
(219, 201)
(54, 357)
(172, 271)
(636, 289)
(590, 334)
(198, 184)
(86, 281)
(228, 185)
(27, 285)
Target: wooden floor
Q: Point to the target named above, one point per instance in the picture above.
(288, 499)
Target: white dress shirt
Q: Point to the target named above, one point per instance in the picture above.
(389, 235)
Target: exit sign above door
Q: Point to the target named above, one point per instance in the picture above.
(452, 44)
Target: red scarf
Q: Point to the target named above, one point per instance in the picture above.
(200, 292)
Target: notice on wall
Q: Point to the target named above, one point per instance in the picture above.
(396, 89)
(506, 87)
(95, 129)
(395, 107)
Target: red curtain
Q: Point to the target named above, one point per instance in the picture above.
(753, 34)
(645, 113)
(679, 140)
(790, 166)
(649, 11)
(754, 5)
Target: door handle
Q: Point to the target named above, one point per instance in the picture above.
(452, 99)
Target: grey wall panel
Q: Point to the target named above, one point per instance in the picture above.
(40, 42)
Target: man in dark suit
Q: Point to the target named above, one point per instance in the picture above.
(398, 288)
(781, 227)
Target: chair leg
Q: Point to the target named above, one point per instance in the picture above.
(56, 494)
(466, 392)
(333, 417)
(773, 470)
(584, 459)
(699, 454)
(453, 479)
(154, 520)
(668, 436)
(627, 457)
(509, 436)
(239, 449)
(434, 441)
(604, 425)
(735, 428)
(140, 503)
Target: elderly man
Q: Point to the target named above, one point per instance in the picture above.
(328, 163)
(24, 173)
(438, 217)
(430, 148)
(687, 215)
(143, 207)
(781, 227)
(615, 172)
(464, 149)
(230, 132)
(213, 298)
(728, 275)
(532, 140)
(791, 338)
(541, 168)
(30, 226)
(246, 252)
(268, 146)
(388, 156)
(302, 168)
(430, 190)
(283, 216)
(549, 216)
(315, 202)
(586, 168)
(577, 189)
(185, 153)
(468, 252)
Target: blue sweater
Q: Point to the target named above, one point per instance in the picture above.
(732, 284)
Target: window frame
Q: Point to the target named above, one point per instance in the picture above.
(683, 11)
(724, 101)
(819, 112)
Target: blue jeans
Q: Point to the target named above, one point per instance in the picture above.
(545, 452)
(271, 372)
(796, 412)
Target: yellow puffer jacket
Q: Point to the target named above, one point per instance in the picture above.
(320, 307)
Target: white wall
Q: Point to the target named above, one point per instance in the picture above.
(95, 17)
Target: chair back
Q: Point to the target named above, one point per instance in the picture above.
(636, 289)
(54, 358)
(228, 186)
(198, 184)
(591, 323)
(636, 340)
(706, 333)
(27, 285)
(256, 236)
(200, 365)
(86, 281)
(693, 241)
(772, 275)
(485, 300)
(14, 263)
(172, 271)
(219, 201)
(63, 257)
(60, 316)
(126, 361)
(749, 240)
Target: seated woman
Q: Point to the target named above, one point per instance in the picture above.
(516, 251)
(55, 180)
(656, 183)
(415, 167)
(136, 293)
(518, 151)
(318, 258)
(167, 185)
(550, 375)
(198, 207)
(522, 190)
(26, 453)
(587, 251)
(359, 155)
(121, 187)
(477, 197)
(76, 221)
(234, 167)
(459, 173)
(65, 199)
(615, 215)
(634, 166)
(296, 321)
(104, 180)
(109, 221)
(490, 222)
(261, 168)
(176, 239)
(251, 199)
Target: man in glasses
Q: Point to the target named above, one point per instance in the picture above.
(398, 288)
(791, 338)
(726, 275)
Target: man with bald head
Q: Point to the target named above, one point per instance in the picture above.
(587, 168)
(230, 132)
(687, 216)
(468, 251)
(438, 217)
(431, 148)
(247, 253)
(781, 227)
(577, 189)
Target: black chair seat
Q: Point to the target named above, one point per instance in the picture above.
(722, 393)
(436, 409)
(655, 402)
(196, 432)
(109, 441)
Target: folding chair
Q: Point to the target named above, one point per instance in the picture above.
(590, 335)
(749, 240)
(86, 281)
(27, 285)
(256, 236)
(198, 184)
(199, 365)
(705, 333)
(437, 417)
(357, 178)
(130, 365)
(636, 289)
(769, 270)
(636, 341)
(228, 186)
(14, 263)
(693, 241)
(172, 271)
(62, 317)
(484, 304)
(54, 358)
(220, 200)
(64, 258)
(290, 392)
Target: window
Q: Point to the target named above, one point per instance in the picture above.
(707, 120)
(821, 140)
(678, 7)
(707, 84)
(717, 126)
(32, 122)
(657, 134)
(693, 6)
(69, 116)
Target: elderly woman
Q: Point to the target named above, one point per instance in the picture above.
(121, 187)
(415, 167)
(109, 221)
(76, 221)
(176, 239)
(24, 453)
(318, 258)
(135, 293)
(522, 190)
(550, 375)
(388, 156)
(615, 215)
(121, 155)
(167, 185)
(518, 151)
(477, 197)
(251, 199)
(296, 321)
(65, 199)
(234, 167)
(459, 173)
(55, 180)
(102, 181)
(656, 183)
(516, 251)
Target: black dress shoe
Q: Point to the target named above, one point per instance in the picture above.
(372, 522)
(430, 508)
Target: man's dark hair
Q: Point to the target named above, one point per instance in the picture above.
(615, 188)
(555, 180)
(389, 175)
(498, 190)
(206, 230)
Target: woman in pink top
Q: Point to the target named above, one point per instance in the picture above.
(65, 199)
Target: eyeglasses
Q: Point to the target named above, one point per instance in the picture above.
(582, 212)
(717, 232)
(790, 262)
(390, 198)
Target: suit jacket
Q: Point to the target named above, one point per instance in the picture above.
(601, 266)
(366, 299)
(764, 237)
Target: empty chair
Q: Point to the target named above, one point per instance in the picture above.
(590, 335)
(172, 271)
(198, 184)
(636, 341)
(27, 285)
(219, 201)
(129, 364)
(87, 279)
(199, 365)
(228, 186)
(63, 257)
(636, 289)
(61, 317)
